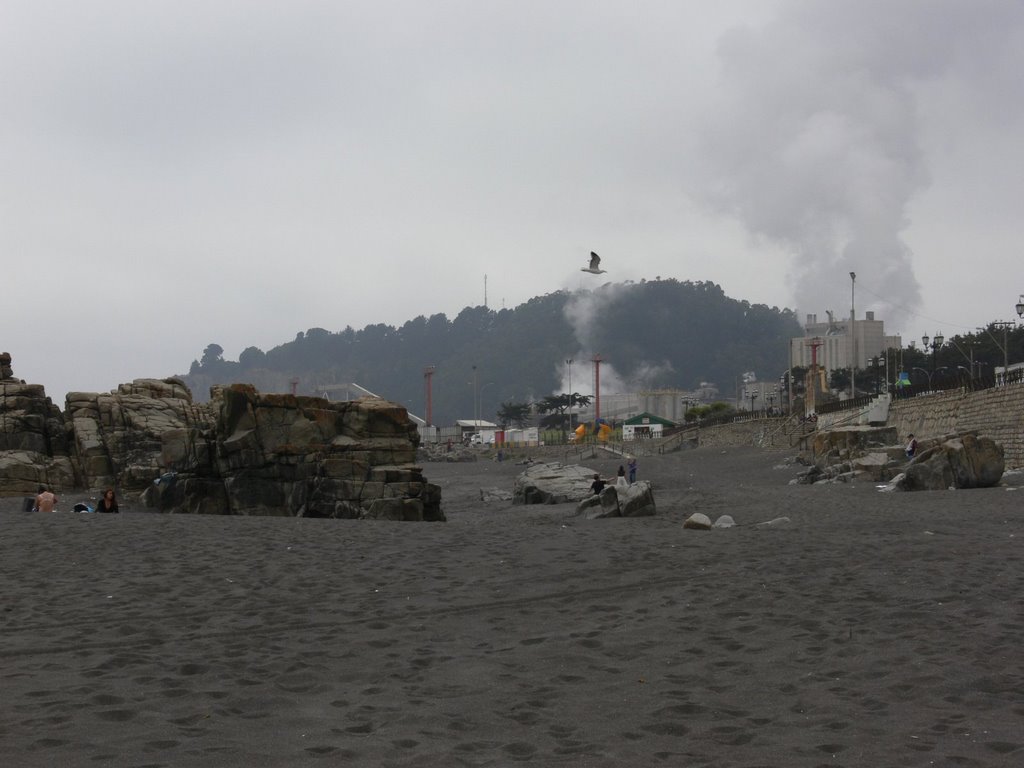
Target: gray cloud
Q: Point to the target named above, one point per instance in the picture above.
(180, 173)
(816, 139)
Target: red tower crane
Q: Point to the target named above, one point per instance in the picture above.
(815, 383)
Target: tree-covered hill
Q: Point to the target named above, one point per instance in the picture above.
(663, 333)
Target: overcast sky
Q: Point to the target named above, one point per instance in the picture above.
(179, 173)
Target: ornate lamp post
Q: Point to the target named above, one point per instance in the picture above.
(936, 344)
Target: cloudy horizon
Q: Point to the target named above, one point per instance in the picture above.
(178, 174)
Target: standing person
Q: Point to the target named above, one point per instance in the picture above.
(597, 486)
(620, 479)
(46, 500)
(108, 503)
(632, 470)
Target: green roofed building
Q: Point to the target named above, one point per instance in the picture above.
(644, 426)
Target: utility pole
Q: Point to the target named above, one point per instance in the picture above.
(476, 406)
(853, 334)
(1006, 325)
(568, 364)
(597, 388)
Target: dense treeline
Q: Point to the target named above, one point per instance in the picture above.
(663, 333)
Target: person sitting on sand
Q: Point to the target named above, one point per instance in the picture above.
(911, 446)
(108, 503)
(45, 501)
(598, 485)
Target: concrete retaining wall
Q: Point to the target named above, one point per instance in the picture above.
(997, 413)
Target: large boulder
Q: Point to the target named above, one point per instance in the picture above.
(552, 483)
(967, 461)
(634, 500)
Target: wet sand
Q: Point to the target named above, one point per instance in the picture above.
(874, 629)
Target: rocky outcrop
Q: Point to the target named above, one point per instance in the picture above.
(953, 461)
(271, 454)
(34, 448)
(842, 443)
(118, 436)
(243, 453)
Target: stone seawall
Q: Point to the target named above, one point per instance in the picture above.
(761, 432)
(996, 413)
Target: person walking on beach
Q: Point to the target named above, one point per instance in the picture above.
(108, 503)
(632, 470)
(45, 501)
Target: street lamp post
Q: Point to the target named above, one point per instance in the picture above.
(753, 395)
(936, 344)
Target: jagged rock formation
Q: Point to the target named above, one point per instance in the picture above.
(271, 454)
(34, 448)
(243, 453)
(118, 436)
(953, 461)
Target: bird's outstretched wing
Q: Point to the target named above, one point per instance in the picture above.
(595, 261)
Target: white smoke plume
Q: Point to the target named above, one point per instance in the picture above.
(582, 310)
(584, 307)
(816, 142)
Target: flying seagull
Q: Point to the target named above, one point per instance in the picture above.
(595, 265)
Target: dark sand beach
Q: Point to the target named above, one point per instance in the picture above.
(875, 629)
